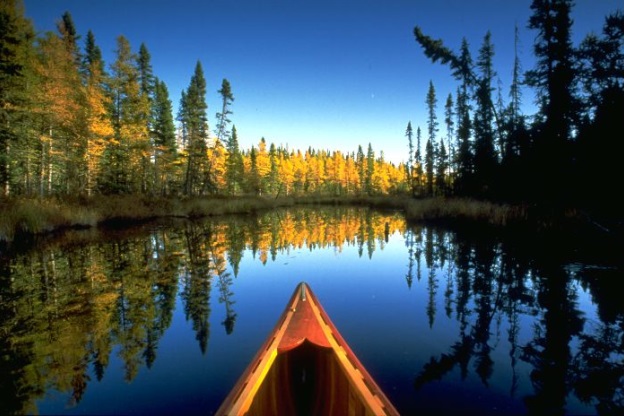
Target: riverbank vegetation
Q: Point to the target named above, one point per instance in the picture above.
(84, 143)
(23, 217)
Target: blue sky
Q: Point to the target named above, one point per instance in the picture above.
(325, 74)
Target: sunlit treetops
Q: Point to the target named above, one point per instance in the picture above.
(85, 127)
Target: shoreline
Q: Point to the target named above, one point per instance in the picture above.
(24, 217)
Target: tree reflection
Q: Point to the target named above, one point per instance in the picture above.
(67, 304)
(491, 283)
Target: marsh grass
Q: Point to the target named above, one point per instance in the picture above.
(38, 216)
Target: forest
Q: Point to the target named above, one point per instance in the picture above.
(72, 125)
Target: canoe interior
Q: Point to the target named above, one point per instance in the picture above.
(307, 380)
(305, 367)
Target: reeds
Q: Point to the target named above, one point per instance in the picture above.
(38, 216)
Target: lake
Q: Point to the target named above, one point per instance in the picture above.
(162, 318)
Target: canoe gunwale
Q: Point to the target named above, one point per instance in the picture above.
(313, 325)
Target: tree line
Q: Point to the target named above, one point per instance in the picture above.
(566, 153)
(71, 125)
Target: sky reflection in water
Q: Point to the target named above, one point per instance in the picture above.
(155, 321)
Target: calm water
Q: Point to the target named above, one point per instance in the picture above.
(163, 318)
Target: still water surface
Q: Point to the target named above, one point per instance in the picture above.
(162, 318)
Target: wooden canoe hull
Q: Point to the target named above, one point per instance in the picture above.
(306, 367)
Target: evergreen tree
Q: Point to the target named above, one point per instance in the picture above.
(16, 46)
(163, 132)
(253, 184)
(223, 120)
(370, 169)
(234, 165)
(465, 157)
(409, 168)
(192, 115)
(146, 75)
(273, 182)
(361, 167)
(599, 146)
(429, 166)
(442, 168)
(449, 121)
(419, 162)
(127, 155)
(146, 97)
(70, 37)
(432, 128)
(92, 59)
(553, 77)
(485, 159)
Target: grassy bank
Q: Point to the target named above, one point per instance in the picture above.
(40, 216)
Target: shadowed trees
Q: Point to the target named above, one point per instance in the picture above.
(578, 91)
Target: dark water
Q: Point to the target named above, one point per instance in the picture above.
(162, 318)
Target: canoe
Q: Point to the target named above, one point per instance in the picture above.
(305, 367)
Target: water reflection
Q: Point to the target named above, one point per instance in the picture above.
(499, 309)
(488, 282)
(67, 306)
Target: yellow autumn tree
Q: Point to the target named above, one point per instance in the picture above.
(59, 104)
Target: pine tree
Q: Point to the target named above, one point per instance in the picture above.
(599, 146)
(418, 160)
(234, 165)
(485, 159)
(465, 157)
(432, 128)
(70, 37)
(553, 77)
(370, 170)
(223, 120)
(429, 166)
(409, 168)
(192, 115)
(441, 168)
(273, 174)
(163, 132)
(253, 184)
(16, 46)
(146, 75)
(361, 166)
(92, 58)
(449, 121)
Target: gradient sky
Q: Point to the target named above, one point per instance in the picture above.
(325, 74)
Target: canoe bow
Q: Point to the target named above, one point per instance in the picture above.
(304, 324)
